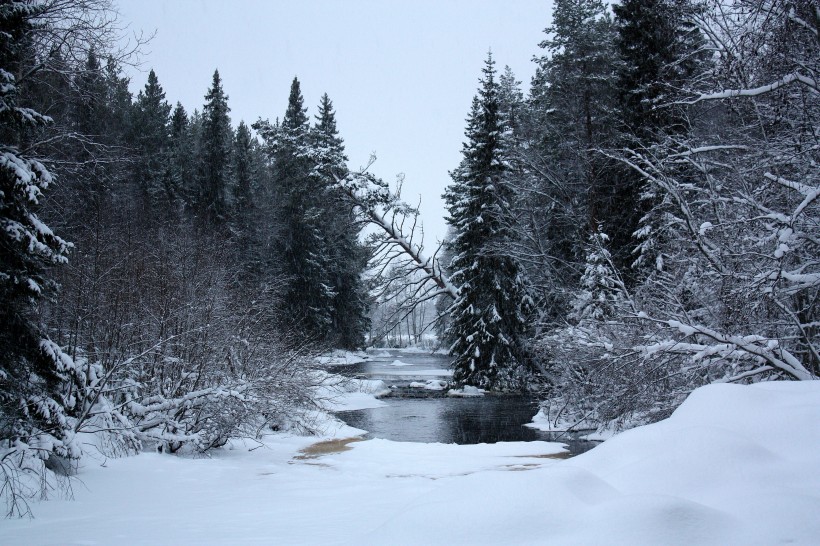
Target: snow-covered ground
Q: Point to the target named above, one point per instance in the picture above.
(342, 358)
(733, 465)
(338, 393)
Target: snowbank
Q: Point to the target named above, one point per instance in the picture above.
(399, 363)
(733, 465)
(338, 393)
(547, 423)
(342, 358)
(430, 385)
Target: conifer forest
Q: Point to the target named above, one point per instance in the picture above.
(638, 221)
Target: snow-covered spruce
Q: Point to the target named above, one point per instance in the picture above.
(489, 316)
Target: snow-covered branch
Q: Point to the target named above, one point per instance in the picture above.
(375, 201)
(788, 79)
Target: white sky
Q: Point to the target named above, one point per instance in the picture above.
(401, 74)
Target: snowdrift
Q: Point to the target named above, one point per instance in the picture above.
(733, 465)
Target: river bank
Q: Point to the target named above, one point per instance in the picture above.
(733, 465)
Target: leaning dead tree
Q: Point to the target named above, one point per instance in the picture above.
(398, 246)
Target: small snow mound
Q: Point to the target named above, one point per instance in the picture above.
(431, 385)
(466, 392)
(399, 363)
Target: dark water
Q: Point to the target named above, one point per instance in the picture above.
(414, 415)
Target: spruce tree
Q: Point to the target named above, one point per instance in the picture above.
(245, 217)
(489, 317)
(348, 257)
(89, 115)
(35, 400)
(661, 50)
(181, 165)
(572, 114)
(300, 244)
(151, 129)
(216, 140)
(511, 104)
(243, 172)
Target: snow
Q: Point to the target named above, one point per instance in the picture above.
(733, 465)
(337, 393)
(342, 358)
(399, 363)
(546, 423)
(466, 392)
(430, 385)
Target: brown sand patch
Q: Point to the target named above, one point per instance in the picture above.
(326, 447)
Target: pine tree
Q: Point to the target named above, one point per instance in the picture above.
(489, 317)
(348, 257)
(571, 116)
(34, 372)
(661, 51)
(601, 289)
(216, 143)
(300, 243)
(151, 129)
(572, 91)
(181, 165)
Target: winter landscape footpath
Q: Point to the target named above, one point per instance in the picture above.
(733, 465)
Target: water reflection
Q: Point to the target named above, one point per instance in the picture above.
(489, 419)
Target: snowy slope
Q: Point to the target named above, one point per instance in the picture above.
(733, 465)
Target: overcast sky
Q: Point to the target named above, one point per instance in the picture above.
(401, 74)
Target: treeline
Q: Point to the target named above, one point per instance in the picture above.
(198, 265)
(646, 219)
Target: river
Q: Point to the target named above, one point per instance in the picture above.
(419, 415)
